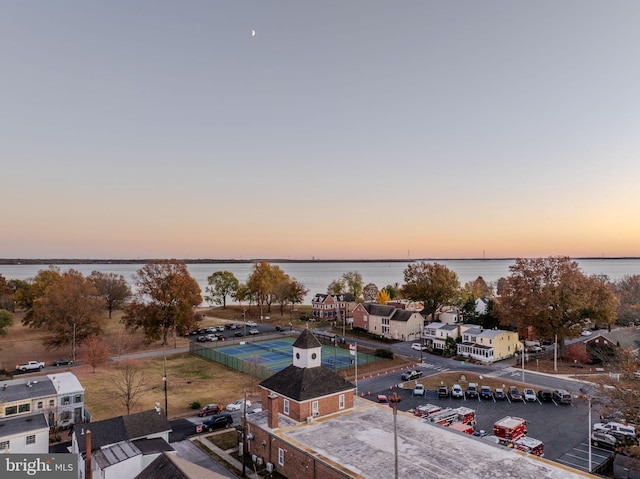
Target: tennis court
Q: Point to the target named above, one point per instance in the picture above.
(277, 354)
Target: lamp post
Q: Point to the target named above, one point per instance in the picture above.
(394, 399)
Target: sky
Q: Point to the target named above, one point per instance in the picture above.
(341, 130)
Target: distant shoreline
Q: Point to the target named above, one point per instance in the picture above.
(56, 261)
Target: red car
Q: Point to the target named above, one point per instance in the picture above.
(210, 409)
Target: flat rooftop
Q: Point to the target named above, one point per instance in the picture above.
(360, 442)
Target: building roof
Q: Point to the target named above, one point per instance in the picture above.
(360, 443)
(123, 428)
(303, 384)
(344, 297)
(65, 382)
(115, 454)
(487, 333)
(169, 466)
(376, 309)
(155, 445)
(403, 315)
(26, 388)
(627, 338)
(307, 340)
(22, 424)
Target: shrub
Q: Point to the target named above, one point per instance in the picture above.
(384, 353)
(195, 405)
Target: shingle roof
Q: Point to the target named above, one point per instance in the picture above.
(402, 315)
(376, 309)
(122, 428)
(26, 388)
(307, 340)
(301, 384)
(169, 466)
(22, 424)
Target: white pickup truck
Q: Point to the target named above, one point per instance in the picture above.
(30, 366)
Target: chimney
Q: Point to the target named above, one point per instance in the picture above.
(87, 461)
(273, 411)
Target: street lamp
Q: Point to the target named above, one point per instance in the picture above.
(394, 399)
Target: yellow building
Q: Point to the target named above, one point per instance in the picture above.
(488, 345)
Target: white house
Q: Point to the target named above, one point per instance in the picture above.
(24, 435)
(436, 334)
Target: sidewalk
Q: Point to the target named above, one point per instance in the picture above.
(226, 457)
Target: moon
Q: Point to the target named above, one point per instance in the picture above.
(253, 33)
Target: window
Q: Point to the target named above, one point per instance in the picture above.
(314, 408)
(65, 400)
(65, 416)
(286, 407)
(280, 456)
(40, 404)
(341, 401)
(31, 439)
(52, 402)
(4, 445)
(8, 411)
(77, 398)
(24, 408)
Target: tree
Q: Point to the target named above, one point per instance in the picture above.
(96, 352)
(165, 298)
(129, 383)
(337, 286)
(478, 288)
(577, 354)
(433, 284)
(27, 293)
(6, 321)
(627, 290)
(6, 293)
(112, 287)
(392, 291)
(553, 296)
(289, 291)
(221, 285)
(69, 310)
(382, 297)
(262, 283)
(354, 283)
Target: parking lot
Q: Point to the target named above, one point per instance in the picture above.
(564, 429)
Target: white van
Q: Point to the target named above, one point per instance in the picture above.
(616, 429)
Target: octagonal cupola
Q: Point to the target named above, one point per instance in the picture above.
(307, 351)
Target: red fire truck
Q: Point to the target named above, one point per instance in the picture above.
(427, 410)
(510, 428)
(530, 445)
(458, 426)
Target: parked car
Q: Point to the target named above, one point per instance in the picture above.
(62, 362)
(616, 429)
(254, 331)
(603, 440)
(514, 394)
(561, 396)
(529, 394)
(418, 390)
(456, 391)
(499, 395)
(279, 328)
(239, 333)
(544, 395)
(443, 392)
(211, 337)
(233, 326)
(472, 390)
(237, 405)
(210, 409)
(586, 332)
(202, 339)
(220, 329)
(218, 421)
(485, 392)
(418, 347)
(411, 374)
(535, 349)
(251, 324)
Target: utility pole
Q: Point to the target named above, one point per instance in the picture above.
(394, 399)
(164, 379)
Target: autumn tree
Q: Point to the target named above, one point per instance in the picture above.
(6, 293)
(221, 285)
(337, 286)
(6, 321)
(478, 288)
(28, 292)
(166, 297)
(69, 310)
(392, 291)
(289, 292)
(262, 283)
(354, 283)
(112, 287)
(242, 294)
(383, 297)
(96, 352)
(553, 296)
(627, 290)
(433, 284)
(129, 383)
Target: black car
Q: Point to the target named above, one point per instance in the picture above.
(499, 395)
(218, 421)
(239, 333)
(443, 392)
(411, 374)
(485, 392)
(472, 390)
(62, 362)
(544, 395)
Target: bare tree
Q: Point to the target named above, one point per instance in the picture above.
(130, 384)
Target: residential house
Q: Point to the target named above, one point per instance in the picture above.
(405, 304)
(26, 434)
(488, 345)
(449, 315)
(332, 307)
(60, 397)
(388, 321)
(435, 334)
(482, 305)
(122, 446)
